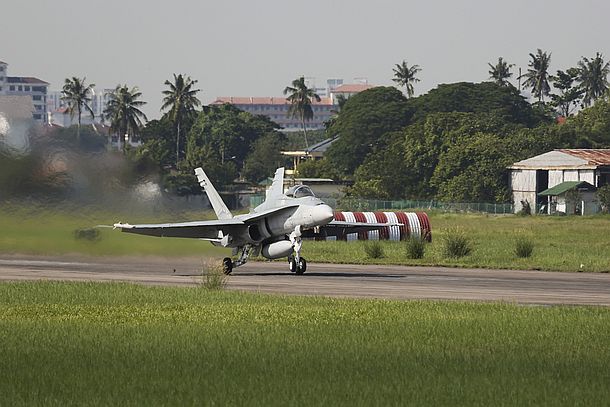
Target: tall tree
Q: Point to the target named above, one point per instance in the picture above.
(181, 100)
(593, 78)
(500, 72)
(537, 75)
(569, 94)
(301, 97)
(75, 94)
(405, 76)
(123, 112)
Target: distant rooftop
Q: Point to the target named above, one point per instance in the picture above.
(25, 79)
(352, 88)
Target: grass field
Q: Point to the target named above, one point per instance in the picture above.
(119, 344)
(560, 243)
(43, 232)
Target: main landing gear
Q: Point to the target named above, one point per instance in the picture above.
(299, 267)
(228, 264)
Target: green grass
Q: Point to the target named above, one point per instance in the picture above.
(44, 232)
(119, 344)
(561, 243)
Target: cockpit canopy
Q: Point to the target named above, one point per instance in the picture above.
(299, 191)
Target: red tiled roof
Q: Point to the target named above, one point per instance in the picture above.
(593, 156)
(352, 88)
(25, 79)
(235, 100)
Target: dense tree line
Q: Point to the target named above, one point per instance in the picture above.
(452, 143)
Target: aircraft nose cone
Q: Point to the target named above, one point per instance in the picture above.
(322, 214)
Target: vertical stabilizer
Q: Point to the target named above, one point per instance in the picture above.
(276, 190)
(222, 212)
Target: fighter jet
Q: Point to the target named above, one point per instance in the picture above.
(274, 229)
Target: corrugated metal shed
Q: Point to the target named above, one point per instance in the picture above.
(566, 159)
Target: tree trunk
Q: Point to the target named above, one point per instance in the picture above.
(304, 132)
(177, 144)
(78, 127)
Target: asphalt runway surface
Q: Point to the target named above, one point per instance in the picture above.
(337, 280)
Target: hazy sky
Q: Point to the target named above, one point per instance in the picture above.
(257, 47)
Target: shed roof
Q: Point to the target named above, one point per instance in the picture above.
(566, 186)
(322, 146)
(566, 159)
(598, 156)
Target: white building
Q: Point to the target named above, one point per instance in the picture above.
(26, 86)
(61, 117)
(276, 109)
(3, 69)
(530, 177)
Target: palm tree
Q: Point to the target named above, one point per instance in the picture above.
(76, 96)
(301, 97)
(593, 77)
(123, 113)
(405, 76)
(500, 72)
(181, 101)
(537, 75)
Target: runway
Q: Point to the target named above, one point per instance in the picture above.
(337, 280)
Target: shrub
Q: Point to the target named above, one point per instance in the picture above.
(373, 249)
(213, 276)
(524, 247)
(415, 248)
(90, 234)
(603, 194)
(526, 208)
(456, 243)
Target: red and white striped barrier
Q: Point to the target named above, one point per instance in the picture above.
(415, 224)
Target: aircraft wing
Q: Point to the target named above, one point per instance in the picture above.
(207, 229)
(258, 215)
(341, 228)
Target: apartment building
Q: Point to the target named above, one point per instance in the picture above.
(26, 86)
(276, 108)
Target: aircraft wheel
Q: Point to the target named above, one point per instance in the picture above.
(227, 265)
(302, 266)
(292, 264)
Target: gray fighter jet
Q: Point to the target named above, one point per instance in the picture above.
(274, 229)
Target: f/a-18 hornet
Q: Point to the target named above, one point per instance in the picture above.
(274, 229)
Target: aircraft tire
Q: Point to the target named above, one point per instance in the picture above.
(292, 264)
(227, 265)
(301, 266)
